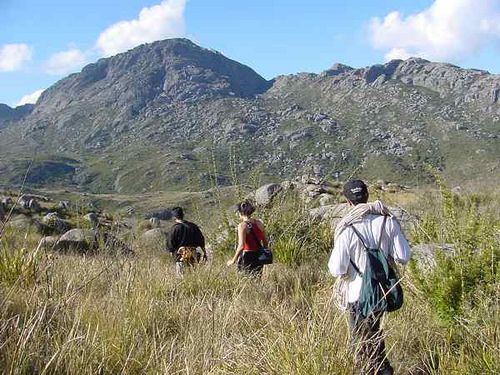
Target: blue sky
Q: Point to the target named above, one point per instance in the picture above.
(43, 41)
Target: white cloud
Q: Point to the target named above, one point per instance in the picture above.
(30, 98)
(65, 61)
(446, 30)
(165, 20)
(13, 56)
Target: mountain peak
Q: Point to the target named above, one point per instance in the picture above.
(13, 114)
(337, 69)
(166, 71)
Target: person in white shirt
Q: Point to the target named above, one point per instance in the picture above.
(368, 220)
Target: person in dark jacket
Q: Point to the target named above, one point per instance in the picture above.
(184, 242)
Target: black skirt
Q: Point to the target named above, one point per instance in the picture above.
(249, 263)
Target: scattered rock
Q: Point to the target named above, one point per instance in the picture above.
(154, 239)
(326, 199)
(63, 205)
(92, 218)
(34, 206)
(81, 240)
(129, 210)
(159, 214)
(48, 242)
(57, 224)
(6, 201)
(425, 253)
(21, 223)
(266, 193)
(155, 222)
(334, 213)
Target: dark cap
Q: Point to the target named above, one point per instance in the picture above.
(356, 191)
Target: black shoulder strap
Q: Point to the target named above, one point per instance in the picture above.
(359, 236)
(257, 241)
(364, 244)
(381, 233)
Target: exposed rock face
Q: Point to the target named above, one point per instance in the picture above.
(266, 193)
(9, 115)
(145, 78)
(6, 201)
(92, 218)
(186, 105)
(63, 205)
(20, 223)
(425, 253)
(159, 215)
(80, 240)
(334, 213)
(54, 222)
(155, 222)
(154, 239)
(48, 242)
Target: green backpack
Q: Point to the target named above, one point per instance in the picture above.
(381, 288)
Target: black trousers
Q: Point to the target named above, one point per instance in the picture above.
(369, 346)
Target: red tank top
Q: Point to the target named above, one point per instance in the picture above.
(251, 243)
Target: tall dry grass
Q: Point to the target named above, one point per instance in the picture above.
(107, 314)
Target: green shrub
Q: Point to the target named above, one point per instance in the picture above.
(18, 265)
(294, 237)
(471, 266)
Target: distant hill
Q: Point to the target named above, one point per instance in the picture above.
(171, 114)
(9, 115)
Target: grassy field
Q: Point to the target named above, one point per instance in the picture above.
(106, 314)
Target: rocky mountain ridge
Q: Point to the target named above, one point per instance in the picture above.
(172, 113)
(9, 114)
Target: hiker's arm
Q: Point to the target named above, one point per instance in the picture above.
(172, 240)
(339, 258)
(400, 248)
(202, 244)
(241, 241)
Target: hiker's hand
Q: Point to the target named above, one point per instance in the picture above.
(230, 262)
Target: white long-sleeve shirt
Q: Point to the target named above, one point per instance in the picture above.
(348, 246)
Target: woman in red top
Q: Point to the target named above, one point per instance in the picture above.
(251, 238)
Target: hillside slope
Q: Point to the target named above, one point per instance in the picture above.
(172, 114)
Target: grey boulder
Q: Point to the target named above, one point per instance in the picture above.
(154, 239)
(78, 239)
(266, 193)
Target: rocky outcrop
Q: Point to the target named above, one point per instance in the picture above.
(266, 193)
(10, 115)
(154, 239)
(163, 214)
(389, 120)
(80, 240)
(92, 218)
(425, 253)
(334, 213)
(48, 243)
(56, 223)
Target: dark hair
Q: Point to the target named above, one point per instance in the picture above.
(178, 213)
(246, 208)
(356, 191)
